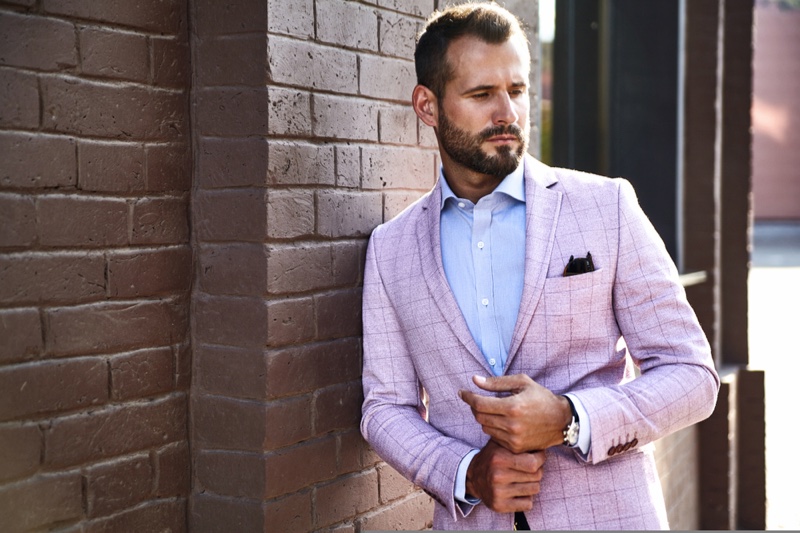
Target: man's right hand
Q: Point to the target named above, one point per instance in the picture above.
(506, 482)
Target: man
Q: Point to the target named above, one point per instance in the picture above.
(499, 369)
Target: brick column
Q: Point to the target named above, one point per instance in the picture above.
(94, 266)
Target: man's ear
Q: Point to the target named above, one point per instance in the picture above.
(425, 105)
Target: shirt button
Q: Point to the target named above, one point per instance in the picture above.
(492, 362)
(480, 245)
(461, 205)
(485, 301)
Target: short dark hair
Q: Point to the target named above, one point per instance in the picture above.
(486, 21)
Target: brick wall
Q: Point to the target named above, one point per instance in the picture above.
(94, 265)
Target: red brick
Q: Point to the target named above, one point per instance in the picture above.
(120, 112)
(297, 467)
(212, 514)
(354, 452)
(235, 16)
(81, 221)
(348, 214)
(290, 321)
(106, 167)
(233, 269)
(150, 272)
(173, 471)
(230, 473)
(290, 514)
(231, 321)
(141, 374)
(183, 365)
(160, 221)
(158, 16)
(37, 42)
(302, 369)
(17, 221)
(232, 372)
(347, 24)
(338, 314)
(392, 485)
(112, 487)
(239, 215)
(20, 451)
(345, 498)
(232, 163)
(19, 99)
(239, 60)
(114, 431)
(44, 387)
(159, 515)
(290, 213)
(294, 163)
(339, 117)
(297, 267)
(169, 167)
(113, 54)
(51, 278)
(37, 161)
(40, 501)
(413, 513)
(291, 17)
(170, 60)
(99, 328)
(338, 407)
(21, 331)
(238, 112)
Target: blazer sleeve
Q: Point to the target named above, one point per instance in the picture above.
(678, 384)
(393, 415)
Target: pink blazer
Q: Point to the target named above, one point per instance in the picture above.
(580, 334)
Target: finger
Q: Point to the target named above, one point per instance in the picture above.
(511, 383)
(483, 404)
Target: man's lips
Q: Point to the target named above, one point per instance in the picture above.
(503, 139)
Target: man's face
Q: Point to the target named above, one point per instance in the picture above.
(483, 122)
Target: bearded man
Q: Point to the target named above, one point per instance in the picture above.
(499, 370)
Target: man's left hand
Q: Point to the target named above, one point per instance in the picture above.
(530, 418)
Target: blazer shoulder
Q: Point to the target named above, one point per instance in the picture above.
(405, 222)
(571, 181)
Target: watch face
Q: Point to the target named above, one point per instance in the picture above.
(572, 433)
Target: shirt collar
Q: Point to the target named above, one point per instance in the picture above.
(512, 185)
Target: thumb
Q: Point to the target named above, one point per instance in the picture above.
(512, 383)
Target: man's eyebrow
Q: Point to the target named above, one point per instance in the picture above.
(479, 88)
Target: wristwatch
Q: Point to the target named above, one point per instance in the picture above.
(573, 429)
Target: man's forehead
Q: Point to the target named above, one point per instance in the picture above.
(465, 52)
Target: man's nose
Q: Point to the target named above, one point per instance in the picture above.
(505, 112)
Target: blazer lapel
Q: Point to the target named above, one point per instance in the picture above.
(429, 237)
(542, 207)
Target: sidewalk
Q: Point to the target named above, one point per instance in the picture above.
(774, 316)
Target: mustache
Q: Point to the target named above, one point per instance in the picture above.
(509, 129)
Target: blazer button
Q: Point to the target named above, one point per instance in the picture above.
(620, 448)
(634, 442)
(612, 451)
(628, 446)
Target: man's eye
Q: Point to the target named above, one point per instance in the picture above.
(480, 96)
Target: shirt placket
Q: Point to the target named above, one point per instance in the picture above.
(482, 254)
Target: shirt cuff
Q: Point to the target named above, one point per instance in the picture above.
(460, 491)
(585, 433)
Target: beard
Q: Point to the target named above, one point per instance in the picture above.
(465, 148)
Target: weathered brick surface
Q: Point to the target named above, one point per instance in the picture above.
(41, 500)
(17, 221)
(111, 487)
(159, 221)
(106, 167)
(141, 374)
(153, 15)
(291, 17)
(21, 331)
(223, 163)
(294, 163)
(306, 64)
(346, 497)
(38, 278)
(36, 161)
(347, 24)
(162, 271)
(232, 60)
(112, 54)
(20, 450)
(37, 42)
(19, 99)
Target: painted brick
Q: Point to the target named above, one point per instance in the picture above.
(21, 331)
(347, 24)
(227, 112)
(231, 163)
(230, 473)
(41, 500)
(299, 267)
(231, 321)
(291, 17)
(106, 167)
(115, 112)
(294, 163)
(394, 202)
(159, 515)
(169, 167)
(141, 374)
(397, 168)
(20, 450)
(17, 221)
(19, 99)
(392, 485)
(313, 66)
(149, 273)
(346, 498)
(170, 61)
(345, 118)
(237, 215)
(160, 221)
(154, 15)
(37, 42)
(386, 78)
(209, 514)
(233, 269)
(173, 471)
(98, 328)
(233, 372)
(420, 8)
(398, 35)
(114, 431)
(302, 369)
(426, 136)
(112, 487)
(290, 213)
(338, 314)
(348, 214)
(338, 407)
(297, 467)
(413, 513)
(81, 221)
(289, 112)
(183, 365)
(348, 166)
(236, 16)
(232, 60)
(398, 125)
(348, 262)
(290, 514)
(38, 161)
(49, 278)
(113, 54)
(290, 321)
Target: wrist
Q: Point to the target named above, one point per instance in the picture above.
(564, 418)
